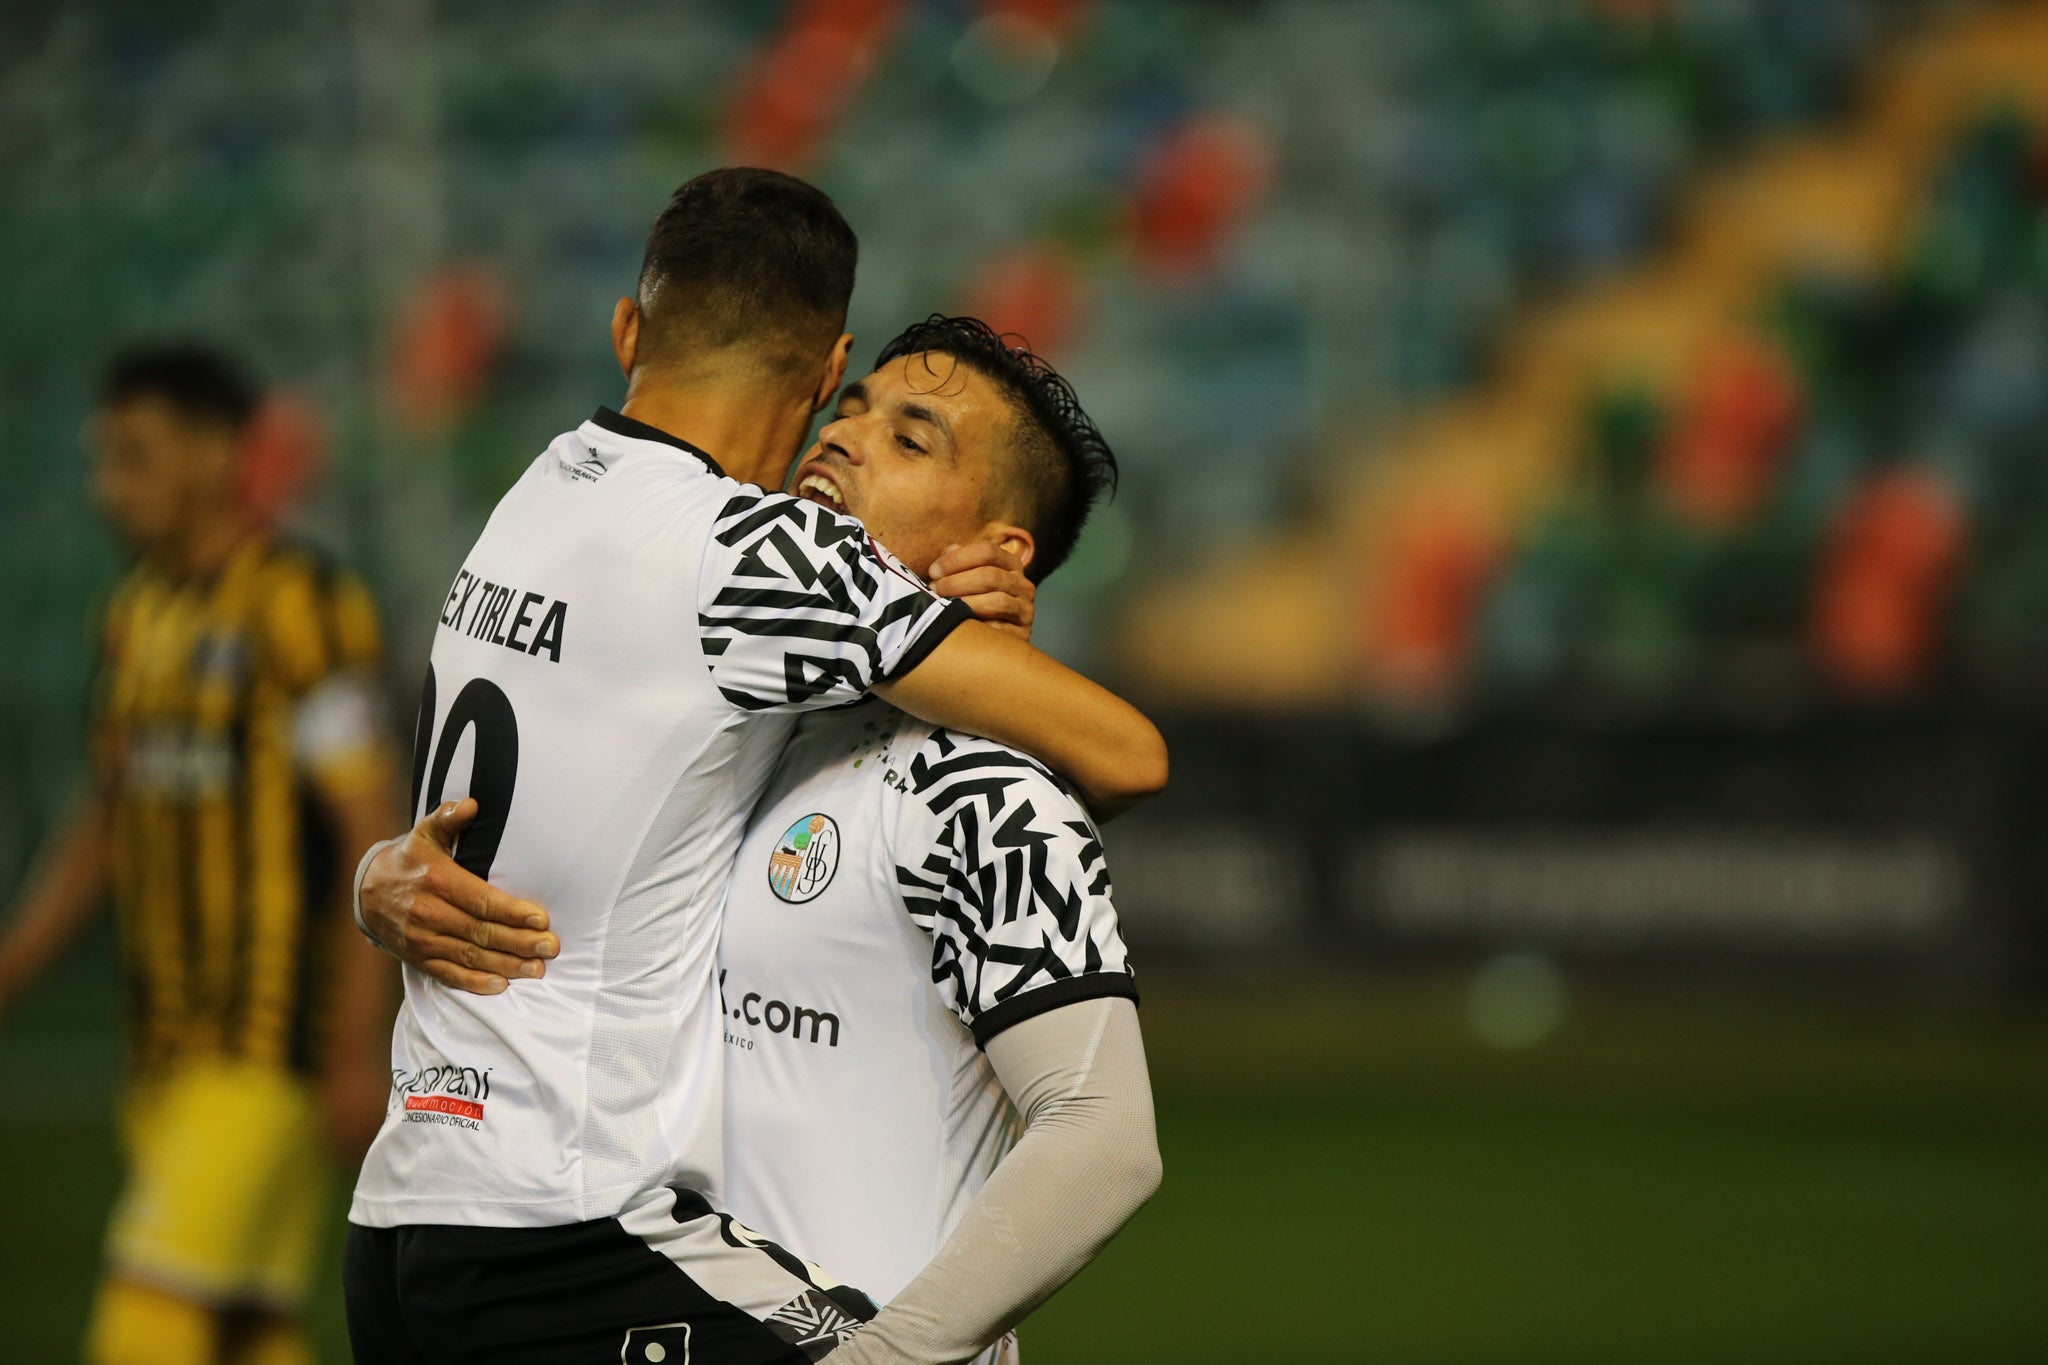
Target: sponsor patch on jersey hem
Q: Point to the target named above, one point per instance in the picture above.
(444, 1104)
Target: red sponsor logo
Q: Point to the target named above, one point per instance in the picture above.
(445, 1104)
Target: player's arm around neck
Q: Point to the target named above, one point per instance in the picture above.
(987, 683)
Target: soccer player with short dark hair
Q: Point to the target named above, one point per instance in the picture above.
(934, 1076)
(619, 664)
(919, 954)
(238, 752)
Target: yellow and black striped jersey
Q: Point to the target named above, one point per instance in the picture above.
(224, 704)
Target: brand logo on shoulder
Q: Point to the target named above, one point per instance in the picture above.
(590, 468)
(804, 860)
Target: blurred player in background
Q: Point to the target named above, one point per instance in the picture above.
(237, 753)
(919, 956)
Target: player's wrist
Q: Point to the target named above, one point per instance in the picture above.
(356, 892)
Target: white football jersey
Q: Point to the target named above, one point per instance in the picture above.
(902, 895)
(611, 680)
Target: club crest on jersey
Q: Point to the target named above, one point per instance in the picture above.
(804, 860)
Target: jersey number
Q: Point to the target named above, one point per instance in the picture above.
(494, 765)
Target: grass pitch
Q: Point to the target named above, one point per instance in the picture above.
(1706, 1176)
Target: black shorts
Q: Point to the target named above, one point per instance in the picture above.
(670, 1282)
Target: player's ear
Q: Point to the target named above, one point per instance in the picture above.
(1015, 539)
(626, 334)
(835, 372)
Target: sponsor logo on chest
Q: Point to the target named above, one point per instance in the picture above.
(801, 1023)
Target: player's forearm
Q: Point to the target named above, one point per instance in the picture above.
(62, 894)
(986, 683)
(1088, 1160)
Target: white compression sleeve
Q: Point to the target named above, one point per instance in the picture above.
(1089, 1158)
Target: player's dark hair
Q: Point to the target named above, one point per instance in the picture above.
(749, 259)
(1059, 465)
(198, 381)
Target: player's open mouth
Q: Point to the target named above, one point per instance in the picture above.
(820, 489)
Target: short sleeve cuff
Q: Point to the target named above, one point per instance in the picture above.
(1032, 1003)
(949, 619)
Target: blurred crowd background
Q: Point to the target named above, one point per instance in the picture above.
(1584, 529)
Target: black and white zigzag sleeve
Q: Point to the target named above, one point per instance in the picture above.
(1004, 870)
(799, 608)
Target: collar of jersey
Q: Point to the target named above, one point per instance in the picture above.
(621, 425)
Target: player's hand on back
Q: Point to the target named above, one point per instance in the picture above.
(991, 581)
(431, 913)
